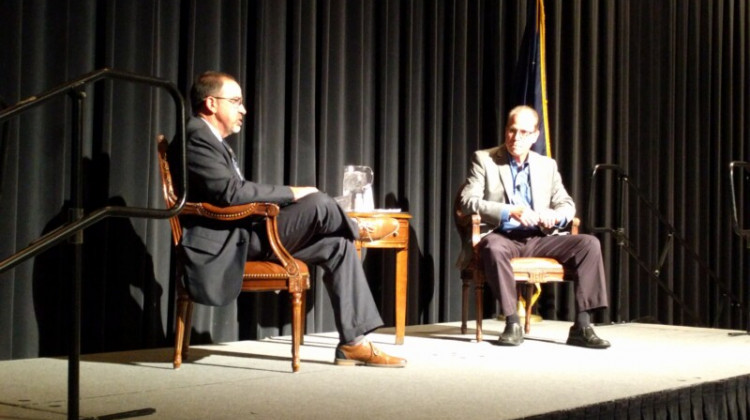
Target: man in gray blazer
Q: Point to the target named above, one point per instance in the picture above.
(311, 226)
(523, 204)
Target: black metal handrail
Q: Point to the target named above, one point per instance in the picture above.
(624, 242)
(63, 232)
(738, 228)
(77, 220)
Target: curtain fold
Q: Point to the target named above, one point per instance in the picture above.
(410, 88)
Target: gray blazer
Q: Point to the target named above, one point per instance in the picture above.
(489, 187)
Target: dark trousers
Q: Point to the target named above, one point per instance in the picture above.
(578, 253)
(317, 231)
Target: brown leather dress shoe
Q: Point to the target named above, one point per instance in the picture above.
(366, 354)
(373, 229)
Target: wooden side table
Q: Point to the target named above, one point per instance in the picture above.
(399, 242)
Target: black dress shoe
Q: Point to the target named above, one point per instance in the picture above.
(586, 337)
(512, 336)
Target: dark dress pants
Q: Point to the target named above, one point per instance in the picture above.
(317, 231)
(580, 254)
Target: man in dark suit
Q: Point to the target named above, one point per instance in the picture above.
(523, 204)
(311, 226)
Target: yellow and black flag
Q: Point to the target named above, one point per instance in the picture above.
(531, 72)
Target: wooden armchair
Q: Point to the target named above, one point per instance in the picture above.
(529, 272)
(283, 273)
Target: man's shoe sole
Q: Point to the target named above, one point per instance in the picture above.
(587, 345)
(348, 362)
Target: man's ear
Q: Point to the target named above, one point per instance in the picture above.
(210, 105)
(535, 136)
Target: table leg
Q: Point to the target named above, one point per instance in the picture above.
(401, 284)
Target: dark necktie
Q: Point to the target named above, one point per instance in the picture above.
(234, 160)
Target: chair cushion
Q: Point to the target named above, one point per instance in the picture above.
(536, 270)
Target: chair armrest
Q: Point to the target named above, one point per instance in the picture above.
(476, 222)
(575, 225)
(237, 212)
(267, 210)
(476, 233)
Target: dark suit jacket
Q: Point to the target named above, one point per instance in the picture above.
(212, 254)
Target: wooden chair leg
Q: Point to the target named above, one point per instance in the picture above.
(479, 297)
(296, 301)
(303, 316)
(179, 336)
(464, 304)
(528, 305)
(188, 331)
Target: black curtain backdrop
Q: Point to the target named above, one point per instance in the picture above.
(410, 88)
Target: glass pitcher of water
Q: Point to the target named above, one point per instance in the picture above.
(357, 191)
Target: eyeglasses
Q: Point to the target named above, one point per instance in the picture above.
(520, 134)
(236, 101)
